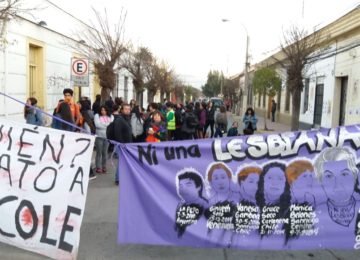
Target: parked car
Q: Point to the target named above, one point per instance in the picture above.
(217, 102)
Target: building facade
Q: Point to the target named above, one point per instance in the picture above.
(331, 84)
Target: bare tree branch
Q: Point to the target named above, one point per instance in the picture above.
(298, 48)
(103, 46)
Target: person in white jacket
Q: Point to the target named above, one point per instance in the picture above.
(137, 125)
(101, 121)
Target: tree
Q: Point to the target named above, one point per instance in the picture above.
(152, 80)
(104, 48)
(298, 48)
(8, 10)
(167, 76)
(188, 90)
(266, 80)
(141, 64)
(212, 86)
(179, 90)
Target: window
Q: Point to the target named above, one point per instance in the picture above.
(306, 95)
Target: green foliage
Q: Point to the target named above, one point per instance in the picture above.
(268, 81)
(213, 84)
(188, 92)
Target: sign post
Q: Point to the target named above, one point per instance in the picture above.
(80, 72)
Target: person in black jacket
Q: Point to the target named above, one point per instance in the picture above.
(122, 130)
(96, 105)
(122, 125)
(210, 119)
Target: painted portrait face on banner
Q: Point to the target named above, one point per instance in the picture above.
(250, 184)
(188, 190)
(300, 175)
(274, 184)
(337, 172)
(219, 177)
(220, 181)
(248, 179)
(338, 181)
(190, 187)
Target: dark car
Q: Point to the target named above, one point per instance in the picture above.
(217, 102)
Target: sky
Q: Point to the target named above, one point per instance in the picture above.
(191, 36)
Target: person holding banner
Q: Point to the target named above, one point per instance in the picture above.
(336, 170)
(122, 130)
(32, 113)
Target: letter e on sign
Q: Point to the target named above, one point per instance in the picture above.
(79, 67)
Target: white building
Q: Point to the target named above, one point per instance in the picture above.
(35, 61)
(331, 85)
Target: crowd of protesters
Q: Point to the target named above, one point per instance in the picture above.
(128, 122)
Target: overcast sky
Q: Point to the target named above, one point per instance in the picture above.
(190, 35)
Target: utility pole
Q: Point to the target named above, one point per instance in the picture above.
(246, 76)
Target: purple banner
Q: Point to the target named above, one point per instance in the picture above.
(293, 190)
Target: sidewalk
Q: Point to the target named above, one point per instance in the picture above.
(273, 127)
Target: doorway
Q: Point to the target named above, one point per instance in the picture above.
(36, 74)
(319, 94)
(343, 96)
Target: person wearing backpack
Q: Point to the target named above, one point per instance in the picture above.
(221, 123)
(88, 116)
(190, 124)
(202, 121)
(32, 114)
(179, 114)
(101, 121)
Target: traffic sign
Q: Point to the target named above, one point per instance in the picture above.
(80, 72)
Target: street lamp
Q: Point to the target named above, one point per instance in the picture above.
(246, 70)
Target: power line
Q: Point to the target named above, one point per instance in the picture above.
(66, 12)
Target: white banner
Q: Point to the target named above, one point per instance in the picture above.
(44, 176)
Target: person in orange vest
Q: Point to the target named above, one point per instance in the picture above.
(74, 108)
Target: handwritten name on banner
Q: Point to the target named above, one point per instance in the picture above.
(44, 176)
(294, 190)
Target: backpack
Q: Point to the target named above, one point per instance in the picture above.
(110, 131)
(192, 121)
(178, 118)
